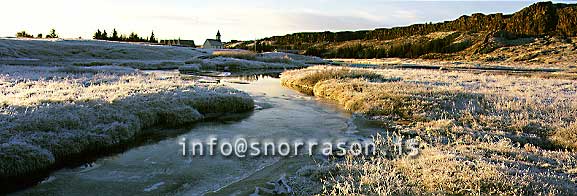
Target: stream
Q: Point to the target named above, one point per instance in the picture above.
(158, 168)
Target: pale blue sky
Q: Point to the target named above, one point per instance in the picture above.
(236, 19)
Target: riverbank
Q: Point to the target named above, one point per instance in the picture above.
(142, 56)
(158, 168)
(51, 114)
(478, 133)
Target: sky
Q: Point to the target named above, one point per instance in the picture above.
(236, 19)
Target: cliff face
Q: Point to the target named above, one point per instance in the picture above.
(535, 20)
(462, 38)
(539, 19)
(567, 21)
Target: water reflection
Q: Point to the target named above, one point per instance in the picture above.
(247, 75)
(255, 77)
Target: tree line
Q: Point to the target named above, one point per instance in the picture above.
(24, 34)
(115, 36)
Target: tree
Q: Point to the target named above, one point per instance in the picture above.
(104, 35)
(39, 35)
(133, 37)
(97, 35)
(114, 35)
(152, 39)
(23, 34)
(52, 34)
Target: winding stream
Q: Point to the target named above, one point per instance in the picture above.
(159, 168)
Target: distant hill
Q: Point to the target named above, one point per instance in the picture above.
(466, 35)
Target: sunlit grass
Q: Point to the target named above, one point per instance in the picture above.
(480, 133)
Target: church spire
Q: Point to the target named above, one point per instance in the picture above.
(218, 35)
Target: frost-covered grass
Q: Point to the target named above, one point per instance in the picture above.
(243, 59)
(93, 53)
(48, 115)
(89, 53)
(481, 133)
(269, 57)
(497, 167)
(55, 50)
(235, 64)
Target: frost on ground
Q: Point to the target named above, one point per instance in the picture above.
(479, 133)
(235, 64)
(89, 53)
(234, 60)
(49, 114)
(92, 53)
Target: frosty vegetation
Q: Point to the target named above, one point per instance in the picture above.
(49, 114)
(479, 134)
(235, 60)
(143, 56)
(87, 52)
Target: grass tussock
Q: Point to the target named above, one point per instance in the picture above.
(306, 80)
(475, 129)
(47, 117)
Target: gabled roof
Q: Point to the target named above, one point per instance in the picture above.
(213, 42)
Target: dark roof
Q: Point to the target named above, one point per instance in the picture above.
(218, 33)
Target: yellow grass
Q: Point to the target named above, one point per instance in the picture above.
(481, 134)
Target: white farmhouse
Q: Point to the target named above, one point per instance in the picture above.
(213, 43)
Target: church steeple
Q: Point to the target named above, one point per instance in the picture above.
(218, 35)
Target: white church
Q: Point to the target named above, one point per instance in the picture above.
(213, 43)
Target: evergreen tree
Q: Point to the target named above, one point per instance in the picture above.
(97, 35)
(114, 35)
(133, 37)
(152, 39)
(104, 35)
